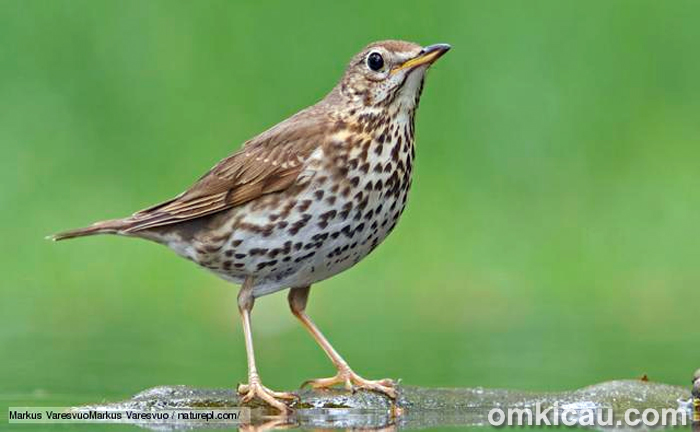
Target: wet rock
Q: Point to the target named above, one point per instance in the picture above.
(415, 407)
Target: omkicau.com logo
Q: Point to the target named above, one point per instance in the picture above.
(568, 415)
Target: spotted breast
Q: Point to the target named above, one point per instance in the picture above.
(353, 191)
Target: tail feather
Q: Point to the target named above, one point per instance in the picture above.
(114, 226)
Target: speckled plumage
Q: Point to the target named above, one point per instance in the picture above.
(353, 193)
(308, 198)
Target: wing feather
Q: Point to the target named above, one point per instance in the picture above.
(268, 163)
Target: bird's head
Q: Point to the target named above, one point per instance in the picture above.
(388, 73)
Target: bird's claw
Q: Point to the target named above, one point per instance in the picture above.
(353, 383)
(255, 389)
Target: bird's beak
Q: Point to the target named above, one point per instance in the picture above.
(428, 55)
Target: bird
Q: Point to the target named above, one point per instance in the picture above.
(303, 201)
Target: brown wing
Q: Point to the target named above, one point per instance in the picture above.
(268, 163)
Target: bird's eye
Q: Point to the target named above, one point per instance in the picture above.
(375, 61)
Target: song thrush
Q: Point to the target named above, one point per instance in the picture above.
(303, 201)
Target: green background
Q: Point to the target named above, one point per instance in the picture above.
(551, 240)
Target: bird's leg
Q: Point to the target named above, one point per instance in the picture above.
(254, 387)
(297, 302)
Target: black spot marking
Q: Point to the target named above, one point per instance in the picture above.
(304, 257)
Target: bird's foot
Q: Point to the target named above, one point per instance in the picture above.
(255, 388)
(353, 382)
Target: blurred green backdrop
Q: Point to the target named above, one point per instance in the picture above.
(551, 240)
